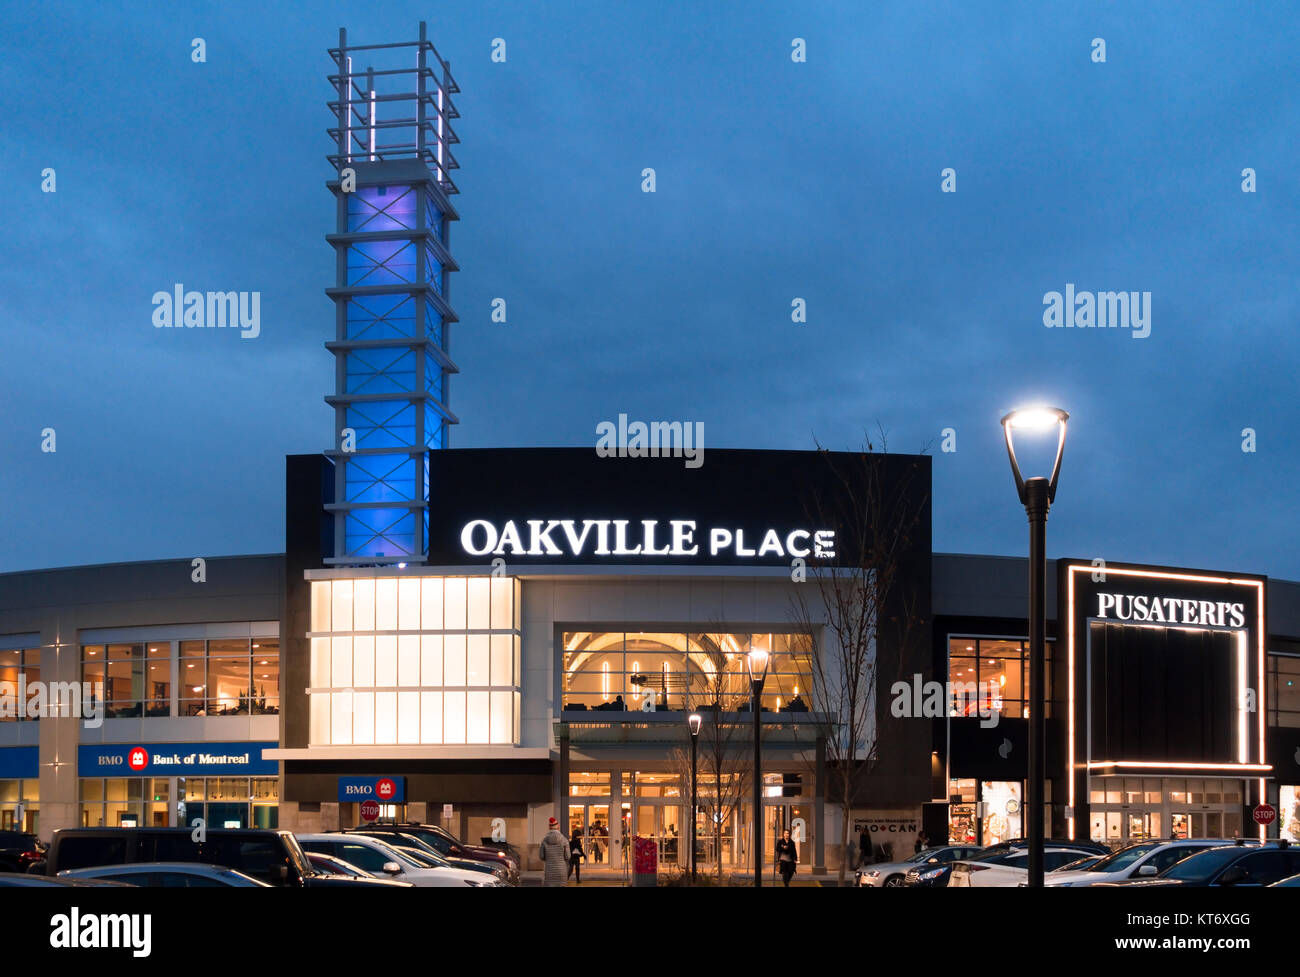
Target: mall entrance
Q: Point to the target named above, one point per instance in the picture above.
(1124, 810)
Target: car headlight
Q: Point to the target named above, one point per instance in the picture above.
(934, 873)
(479, 885)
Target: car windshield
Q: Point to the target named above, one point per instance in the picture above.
(1201, 866)
(1123, 858)
(925, 854)
(418, 857)
(404, 860)
(424, 849)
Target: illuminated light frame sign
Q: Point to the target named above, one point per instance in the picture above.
(1151, 604)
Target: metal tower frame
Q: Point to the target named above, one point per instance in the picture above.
(393, 141)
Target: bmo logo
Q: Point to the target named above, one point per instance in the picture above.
(385, 789)
(137, 758)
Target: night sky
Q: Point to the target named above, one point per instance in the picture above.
(776, 180)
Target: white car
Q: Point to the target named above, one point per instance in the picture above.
(1009, 868)
(384, 861)
(1140, 860)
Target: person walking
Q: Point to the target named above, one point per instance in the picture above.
(864, 847)
(787, 856)
(922, 841)
(554, 855)
(576, 854)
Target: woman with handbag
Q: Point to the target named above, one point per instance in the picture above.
(576, 854)
(787, 857)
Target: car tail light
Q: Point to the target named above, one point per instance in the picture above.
(977, 867)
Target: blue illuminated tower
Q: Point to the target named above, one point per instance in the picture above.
(392, 317)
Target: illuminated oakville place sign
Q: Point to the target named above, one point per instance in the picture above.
(1171, 610)
(650, 538)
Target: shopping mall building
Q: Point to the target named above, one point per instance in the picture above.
(490, 638)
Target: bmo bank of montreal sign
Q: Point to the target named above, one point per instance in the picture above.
(175, 759)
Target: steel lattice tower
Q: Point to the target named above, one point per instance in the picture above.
(392, 313)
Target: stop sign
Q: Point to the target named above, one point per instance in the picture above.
(369, 810)
(1265, 814)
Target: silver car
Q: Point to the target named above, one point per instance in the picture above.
(890, 875)
(171, 875)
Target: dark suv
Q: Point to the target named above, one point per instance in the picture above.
(272, 856)
(18, 849)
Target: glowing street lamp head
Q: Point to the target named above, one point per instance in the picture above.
(695, 721)
(1035, 421)
(757, 660)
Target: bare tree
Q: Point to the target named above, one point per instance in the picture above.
(855, 599)
(724, 771)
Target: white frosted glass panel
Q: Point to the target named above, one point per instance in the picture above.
(363, 605)
(431, 604)
(453, 717)
(408, 717)
(503, 604)
(341, 663)
(431, 659)
(408, 660)
(502, 659)
(320, 605)
(341, 613)
(341, 718)
(385, 661)
(385, 718)
(479, 615)
(453, 660)
(518, 604)
(385, 604)
(477, 717)
(320, 719)
(320, 663)
(503, 710)
(476, 669)
(519, 674)
(363, 662)
(363, 718)
(408, 604)
(430, 717)
(453, 607)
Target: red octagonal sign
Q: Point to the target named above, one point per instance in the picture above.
(385, 789)
(369, 810)
(1265, 814)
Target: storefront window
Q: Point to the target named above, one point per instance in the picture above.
(26, 662)
(993, 674)
(1002, 814)
(677, 670)
(963, 828)
(1288, 813)
(1283, 690)
(222, 802)
(19, 805)
(226, 677)
(449, 675)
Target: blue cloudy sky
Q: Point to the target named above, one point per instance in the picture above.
(775, 180)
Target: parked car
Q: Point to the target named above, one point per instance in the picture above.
(402, 839)
(1232, 865)
(1005, 869)
(1078, 865)
(1293, 882)
(890, 875)
(169, 875)
(939, 876)
(273, 856)
(449, 846)
(1141, 860)
(26, 880)
(18, 849)
(384, 861)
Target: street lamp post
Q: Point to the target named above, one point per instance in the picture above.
(694, 722)
(757, 660)
(1037, 495)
